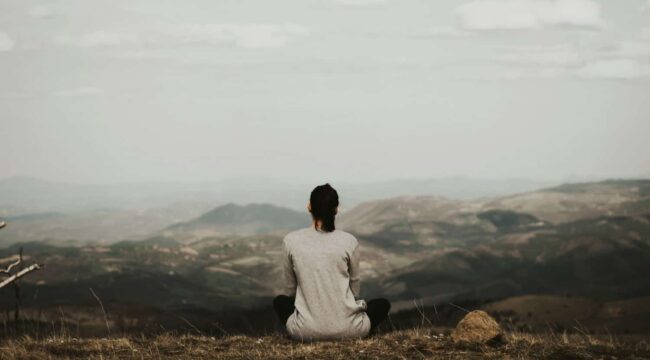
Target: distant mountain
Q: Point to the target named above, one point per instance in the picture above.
(604, 258)
(407, 223)
(106, 226)
(452, 187)
(438, 249)
(588, 240)
(25, 195)
(570, 202)
(429, 220)
(40, 210)
(234, 219)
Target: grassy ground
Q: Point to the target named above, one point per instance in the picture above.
(406, 344)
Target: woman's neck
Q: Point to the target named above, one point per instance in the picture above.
(318, 225)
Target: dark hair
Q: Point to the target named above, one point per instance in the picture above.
(324, 200)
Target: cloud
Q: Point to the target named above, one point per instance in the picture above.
(13, 95)
(520, 73)
(359, 2)
(645, 33)
(6, 43)
(528, 14)
(40, 11)
(620, 69)
(141, 54)
(646, 7)
(80, 91)
(629, 49)
(97, 39)
(623, 60)
(558, 55)
(537, 61)
(440, 31)
(250, 36)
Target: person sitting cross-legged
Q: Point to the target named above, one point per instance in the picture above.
(321, 271)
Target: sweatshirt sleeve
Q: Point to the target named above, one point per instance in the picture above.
(289, 274)
(353, 269)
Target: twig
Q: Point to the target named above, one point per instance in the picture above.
(17, 289)
(436, 310)
(20, 274)
(101, 304)
(188, 323)
(13, 264)
(63, 329)
(552, 332)
(216, 324)
(458, 307)
(422, 314)
(583, 330)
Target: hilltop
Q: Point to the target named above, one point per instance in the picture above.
(234, 219)
(417, 343)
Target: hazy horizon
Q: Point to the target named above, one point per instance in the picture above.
(294, 182)
(324, 90)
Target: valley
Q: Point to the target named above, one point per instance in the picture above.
(578, 251)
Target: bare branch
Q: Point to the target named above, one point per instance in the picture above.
(12, 265)
(101, 304)
(20, 274)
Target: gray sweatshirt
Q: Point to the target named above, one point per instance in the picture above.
(322, 270)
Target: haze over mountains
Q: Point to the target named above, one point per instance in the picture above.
(587, 240)
(21, 195)
(233, 219)
(79, 213)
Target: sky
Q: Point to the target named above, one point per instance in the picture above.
(316, 90)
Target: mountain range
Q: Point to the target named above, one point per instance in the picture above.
(27, 195)
(58, 212)
(586, 240)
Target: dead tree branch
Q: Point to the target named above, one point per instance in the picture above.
(20, 274)
(13, 278)
(12, 265)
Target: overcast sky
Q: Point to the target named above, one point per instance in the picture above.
(313, 90)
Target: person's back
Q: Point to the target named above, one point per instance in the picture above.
(324, 268)
(321, 271)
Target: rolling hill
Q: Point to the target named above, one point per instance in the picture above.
(588, 241)
(233, 219)
(583, 239)
(100, 225)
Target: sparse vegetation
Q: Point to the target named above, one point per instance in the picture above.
(418, 343)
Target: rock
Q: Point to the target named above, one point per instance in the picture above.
(477, 327)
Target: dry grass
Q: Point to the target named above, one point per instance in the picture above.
(405, 344)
